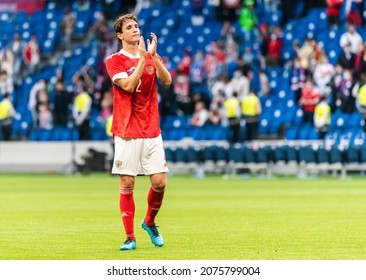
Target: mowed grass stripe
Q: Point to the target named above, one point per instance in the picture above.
(76, 217)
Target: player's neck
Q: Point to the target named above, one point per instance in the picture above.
(132, 49)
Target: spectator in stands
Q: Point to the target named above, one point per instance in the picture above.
(248, 19)
(323, 74)
(239, 84)
(333, 12)
(43, 100)
(229, 36)
(351, 38)
(309, 99)
(84, 79)
(214, 64)
(106, 107)
(220, 89)
(322, 116)
(233, 113)
(51, 84)
(182, 93)
(264, 88)
(251, 110)
(7, 61)
(197, 73)
(16, 46)
(274, 47)
(353, 11)
(306, 53)
(7, 113)
(45, 118)
(81, 5)
(346, 59)
(81, 114)
(6, 84)
(228, 10)
(248, 56)
(185, 63)
(298, 78)
(67, 27)
(32, 55)
(216, 114)
(100, 29)
(360, 62)
(346, 101)
(62, 101)
(33, 98)
(231, 58)
(200, 114)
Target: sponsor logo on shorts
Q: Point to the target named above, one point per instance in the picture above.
(118, 163)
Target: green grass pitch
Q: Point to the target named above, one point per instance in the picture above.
(77, 218)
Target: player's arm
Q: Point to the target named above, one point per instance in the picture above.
(162, 73)
(130, 83)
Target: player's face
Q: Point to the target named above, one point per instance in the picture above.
(131, 31)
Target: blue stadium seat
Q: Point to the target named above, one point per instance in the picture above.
(307, 154)
(352, 155)
(176, 134)
(292, 133)
(304, 131)
(322, 155)
(170, 154)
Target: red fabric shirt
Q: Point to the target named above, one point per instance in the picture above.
(311, 96)
(135, 115)
(275, 47)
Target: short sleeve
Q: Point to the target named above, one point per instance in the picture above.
(115, 68)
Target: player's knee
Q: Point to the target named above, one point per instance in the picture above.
(127, 184)
(159, 184)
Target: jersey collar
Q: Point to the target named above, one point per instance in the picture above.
(122, 51)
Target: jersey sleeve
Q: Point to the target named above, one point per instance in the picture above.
(115, 68)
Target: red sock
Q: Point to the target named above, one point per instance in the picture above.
(154, 201)
(127, 207)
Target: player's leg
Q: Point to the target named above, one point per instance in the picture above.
(155, 197)
(126, 164)
(154, 164)
(127, 208)
(154, 202)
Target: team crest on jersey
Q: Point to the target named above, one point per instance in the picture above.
(118, 163)
(130, 71)
(149, 69)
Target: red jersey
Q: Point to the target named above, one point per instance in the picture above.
(136, 114)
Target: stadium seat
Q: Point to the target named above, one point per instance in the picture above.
(322, 155)
(177, 134)
(336, 159)
(170, 154)
(307, 160)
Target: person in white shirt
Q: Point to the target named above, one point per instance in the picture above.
(323, 74)
(351, 37)
(200, 115)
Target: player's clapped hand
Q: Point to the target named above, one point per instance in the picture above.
(151, 46)
(142, 49)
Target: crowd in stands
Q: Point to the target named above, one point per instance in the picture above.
(225, 83)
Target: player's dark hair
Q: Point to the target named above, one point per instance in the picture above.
(118, 24)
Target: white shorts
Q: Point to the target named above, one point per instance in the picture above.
(139, 156)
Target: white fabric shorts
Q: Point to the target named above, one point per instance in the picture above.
(139, 156)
